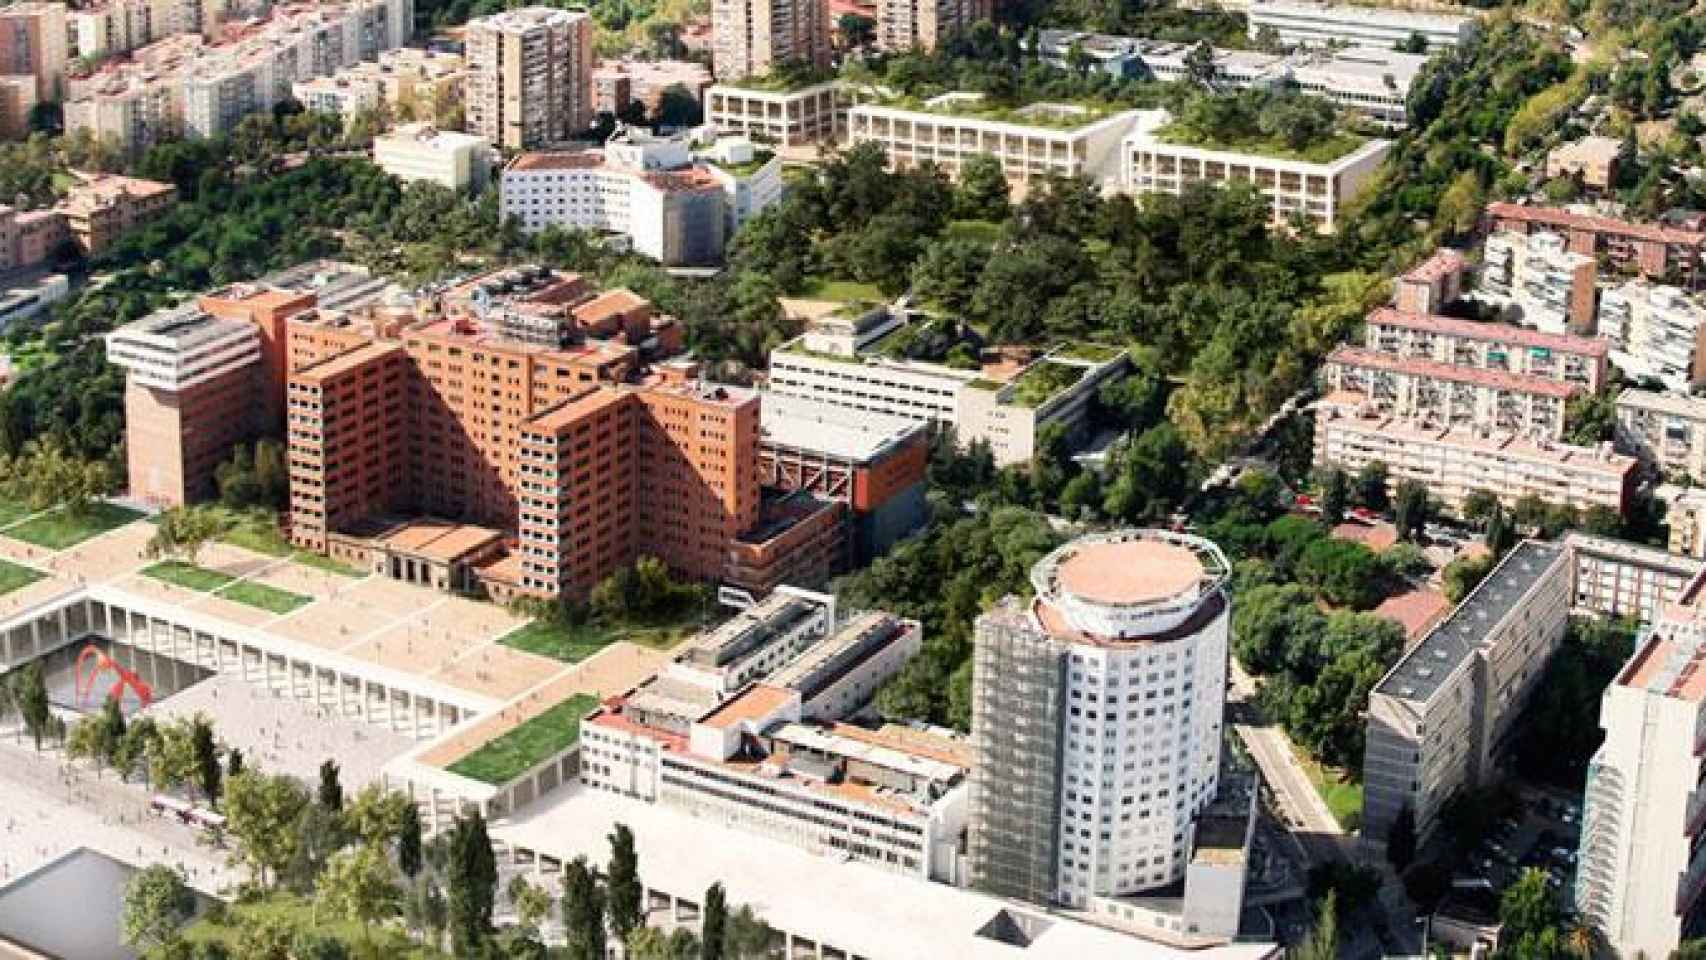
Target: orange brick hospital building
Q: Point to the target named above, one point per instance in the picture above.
(488, 404)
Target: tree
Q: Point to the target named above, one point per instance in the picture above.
(377, 816)
(1335, 496)
(29, 693)
(624, 897)
(532, 902)
(649, 943)
(1200, 67)
(1527, 907)
(1401, 840)
(746, 937)
(1463, 575)
(1371, 486)
(1501, 536)
(472, 878)
(171, 755)
(233, 762)
(209, 775)
(1411, 510)
(583, 911)
(714, 924)
(181, 532)
(857, 31)
(409, 842)
(330, 795)
(1342, 572)
(983, 191)
(1323, 941)
(261, 813)
(1416, 42)
(1479, 506)
(359, 885)
(157, 903)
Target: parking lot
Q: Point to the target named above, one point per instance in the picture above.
(1543, 836)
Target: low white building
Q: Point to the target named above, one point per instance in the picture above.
(778, 116)
(1655, 331)
(1666, 430)
(1034, 141)
(840, 360)
(1312, 24)
(1151, 163)
(421, 151)
(751, 177)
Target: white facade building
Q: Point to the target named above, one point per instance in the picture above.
(1535, 275)
(1667, 430)
(1035, 141)
(420, 151)
(1316, 191)
(1655, 331)
(1303, 23)
(1097, 710)
(799, 117)
(181, 347)
(1641, 869)
(649, 190)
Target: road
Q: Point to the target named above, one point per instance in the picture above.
(1306, 814)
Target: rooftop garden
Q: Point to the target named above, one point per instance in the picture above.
(936, 340)
(1088, 352)
(844, 291)
(1281, 124)
(748, 168)
(190, 576)
(785, 77)
(1042, 381)
(68, 526)
(1062, 114)
(501, 760)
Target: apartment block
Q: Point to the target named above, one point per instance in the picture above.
(1369, 81)
(1308, 24)
(412, 83)
(840, 360)
(1438, 721)
(752, 37)
(1149, 163)
(530, 82)
(1035, 141)
(34, 42)
(1542, 284)
(1445, 393)
(923, 24)
(874, 463)
(421, 151)
(1455, 460)
(1640, 869)
(1560, 357)
(18, 96)
(668, 204)
(1666, 430)
(186, 85)
(189, 397)
(1119, 661)
(783, 118)
(1592, 161)
(103, 207)
(116, 27)
(1655, 331)
(1615, 578)
(617, 83)
(29, 237)
(1431, 284)
(1668, 254)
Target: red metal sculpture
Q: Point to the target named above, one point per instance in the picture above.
(86, 682)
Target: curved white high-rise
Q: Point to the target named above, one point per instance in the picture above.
(1097, 718)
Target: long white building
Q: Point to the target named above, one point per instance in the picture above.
(1641, 869)
(1542, 282)
(1096, 722)
(1309, 24)
(1150, 163)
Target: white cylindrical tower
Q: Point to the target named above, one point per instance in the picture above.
(1142, 620)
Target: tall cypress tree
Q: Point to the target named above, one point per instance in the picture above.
(331, 793)
(716, 923)
(472, 877)
(622, 888)
(409, 843)
(583, 911)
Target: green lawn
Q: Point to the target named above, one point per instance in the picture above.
(258, 530)
(299, 914)
(188, 575)
(1343, 795)
(11, 511)
(271, 599)
(510, 755)
(573, 644)
(310, 559)
(841, 291)
(60, 528)
(15, 576)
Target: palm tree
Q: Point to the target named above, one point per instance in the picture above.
(1582, 940)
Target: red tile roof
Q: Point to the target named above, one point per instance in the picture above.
(1502, 332)
(1553, 217)
(1495, 379)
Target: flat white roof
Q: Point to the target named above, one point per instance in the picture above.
(807, 424)
(853, 907)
